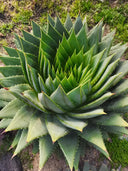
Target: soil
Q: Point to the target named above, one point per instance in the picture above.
(53, 164)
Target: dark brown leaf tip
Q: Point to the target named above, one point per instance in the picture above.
(6, 88)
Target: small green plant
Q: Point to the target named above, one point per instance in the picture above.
(22, 17)
(3, 42)
(2, 6)
(26, 159)
(6, 28)
(64, 86)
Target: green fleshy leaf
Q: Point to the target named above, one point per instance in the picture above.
(97, 102)
(121, 89)
(122, 69)
(45, 150)
(22, 142)
(86, 115)
(34, 79)
(31, 38)
(118, 105)
(48, 49)
(68, 23)
(69, 145)
(35, 148)
(18, 42)
(67, 86)
(48, 103)
(50, 20)
(11, 70)
(11, 51)
(29, 47)
(119, 51)
(60, 28)
(77, 95)
(31, 98)
(116, 130)
(42, 84)
(112, 120)
(49, 85)
(60, 98)
(61, 55)
(48, 40)
(12, 80)
(36, 29)
(36, 129)
(16, 139)
(19, 88)
(9, 111)
(54, 34)
(101, 69)
(96, 62)
(106, 43)
(4, 123)
(111, 67)
(6, 95)
(72, 123)
(10, 60)
(78, 24)
(94, 37)
(22, 117)
(55, 128)
(74, 42)
(3, 103)
(82, 38)
(87, 57)
(45, 66)
(86, 24)
(23, 64)
(65, 45)
(79, 152)
(105, 87)
(94, 136)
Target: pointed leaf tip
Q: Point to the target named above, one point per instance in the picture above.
(4, 132)
(10, 148)
(13, 156)
(6, 88)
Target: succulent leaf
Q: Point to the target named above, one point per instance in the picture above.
(69, 144)
(45, 148)
(22, 142)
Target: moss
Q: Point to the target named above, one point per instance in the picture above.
(5, 143)
(26, 158)
(23, 17)
(118, 150)
(115, 16)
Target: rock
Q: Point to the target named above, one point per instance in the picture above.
(1, 35)
(124, 169)
(8, 164)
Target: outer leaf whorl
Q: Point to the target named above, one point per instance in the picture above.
(66, 79)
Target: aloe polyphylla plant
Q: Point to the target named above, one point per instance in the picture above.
(64, 86)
